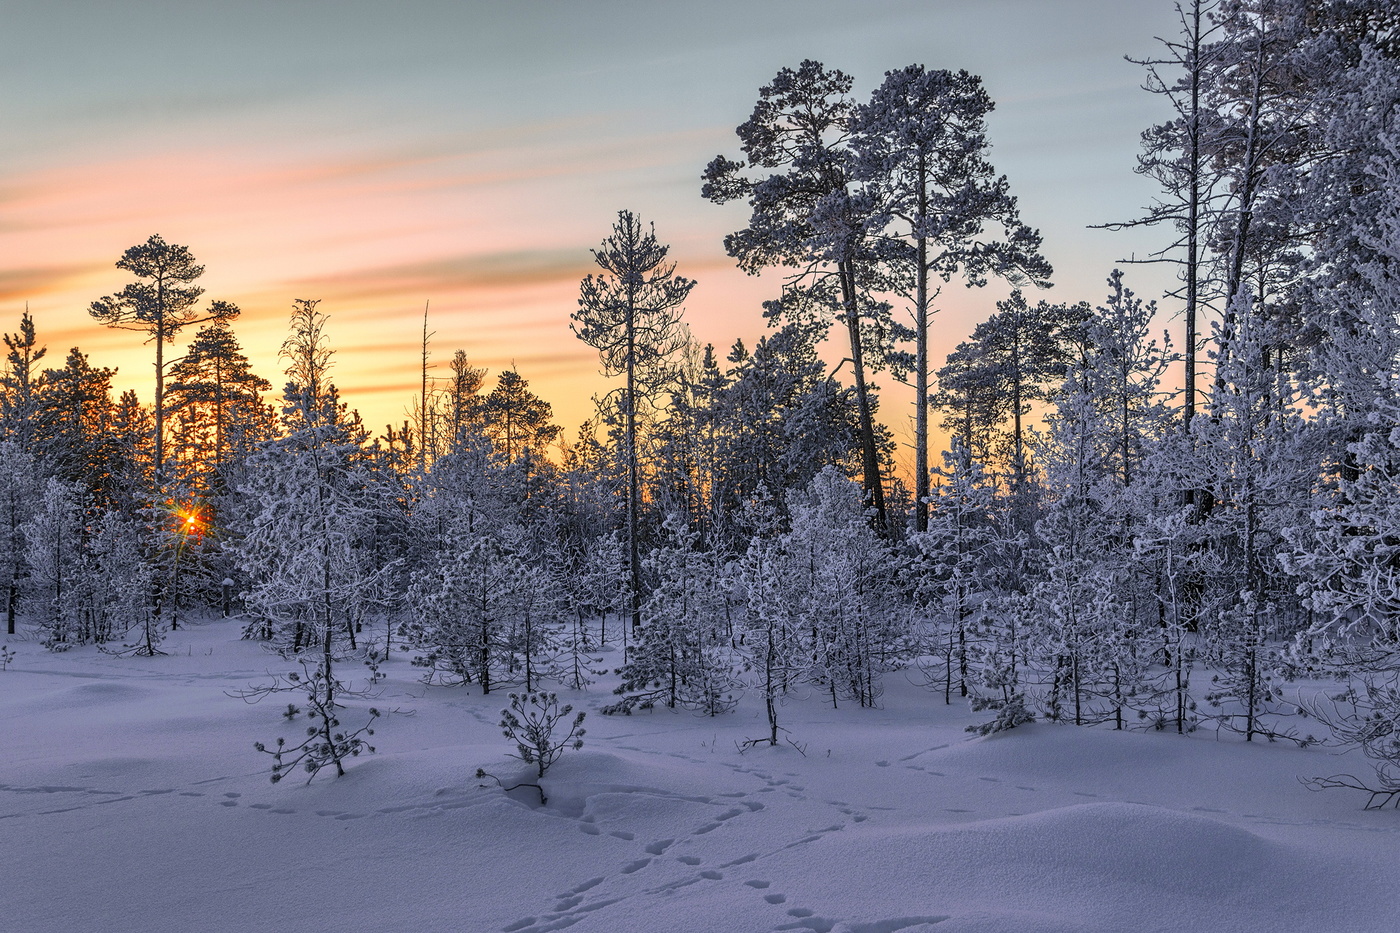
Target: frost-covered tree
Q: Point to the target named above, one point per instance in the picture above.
(56, 553)
(119, 583)
(605, 581)
(631, 314)
(921, 146)
(808, 216)
(462, 611)
(1347, 554)
(948, 578)
(681, 655)
(305, 554)
(840, 580)
(19, 384)
(771, 643)
(19, 492)
(779, 419)
(1250, 447)
(73, 439)
(1092, 603)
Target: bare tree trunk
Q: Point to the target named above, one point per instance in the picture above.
(870, 460)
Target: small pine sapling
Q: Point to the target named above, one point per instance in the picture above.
(326, 743)
(530, 723)
(6, 656)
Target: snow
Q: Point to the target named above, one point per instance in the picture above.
(131, 799)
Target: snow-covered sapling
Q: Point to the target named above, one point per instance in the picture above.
(530, 724)
(326, 743)
(6, 656)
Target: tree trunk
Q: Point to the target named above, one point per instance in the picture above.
(870, 460)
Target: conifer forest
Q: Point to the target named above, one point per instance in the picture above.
(1123, 517)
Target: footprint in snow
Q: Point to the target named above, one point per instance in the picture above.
(775, 898)
(758, 884)
(658, 847)
(688, 859)
(588, 885)
(623, 834)
(637, 865)
(711, 875)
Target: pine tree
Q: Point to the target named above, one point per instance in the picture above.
(808, 216)
(681, 654)
(631, 314)
(19, 492)
(306, 552)
(841, 581)
(921, 146)
(19, 402)
(160, 304)
(949, 567)
(465, 613)
(216, 403)
(56, 552)
(771, 644)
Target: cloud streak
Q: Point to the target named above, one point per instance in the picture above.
(508, 269)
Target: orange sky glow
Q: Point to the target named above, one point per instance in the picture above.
(375, 190)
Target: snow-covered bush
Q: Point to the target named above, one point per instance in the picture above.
(531, 722)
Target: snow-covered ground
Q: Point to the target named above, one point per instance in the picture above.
(131, 799)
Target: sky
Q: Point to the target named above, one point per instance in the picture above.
(467, 155)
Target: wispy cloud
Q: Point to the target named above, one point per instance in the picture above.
(494, 270)
(36, 281)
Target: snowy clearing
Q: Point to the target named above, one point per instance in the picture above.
(131, 799)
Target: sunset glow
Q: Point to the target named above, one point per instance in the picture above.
(378, 180)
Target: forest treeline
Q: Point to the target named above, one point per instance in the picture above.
(1096, 545)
